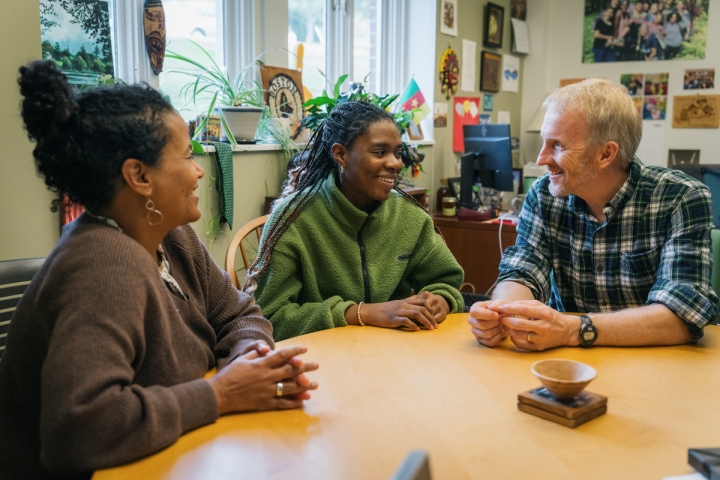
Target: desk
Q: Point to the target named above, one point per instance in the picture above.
(476, 247)
(385, 392)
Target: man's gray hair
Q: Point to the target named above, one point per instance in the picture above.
(609, 111)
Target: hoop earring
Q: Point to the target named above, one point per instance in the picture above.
(150, 207)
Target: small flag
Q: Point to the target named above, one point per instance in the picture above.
(413, 98)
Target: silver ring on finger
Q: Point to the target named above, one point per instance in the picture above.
(279, 389)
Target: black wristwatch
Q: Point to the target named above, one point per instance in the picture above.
(588, 332)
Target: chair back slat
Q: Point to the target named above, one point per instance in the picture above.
(15, 276)
(236, 244)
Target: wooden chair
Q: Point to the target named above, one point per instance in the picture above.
(237, 242)
(15, 276)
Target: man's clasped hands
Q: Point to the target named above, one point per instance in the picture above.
(531, 324)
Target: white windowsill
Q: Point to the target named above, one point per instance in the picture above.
(270, 147)
(252, 147)
(424, 143)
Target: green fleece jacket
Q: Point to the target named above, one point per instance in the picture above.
(334, 255)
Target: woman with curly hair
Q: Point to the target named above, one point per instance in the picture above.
(344, 246)
(108, 347)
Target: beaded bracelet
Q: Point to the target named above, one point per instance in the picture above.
(358, 312)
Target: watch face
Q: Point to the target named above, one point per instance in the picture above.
(588, 336)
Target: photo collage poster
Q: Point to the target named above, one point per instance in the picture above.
(625, 31)
(649, 92)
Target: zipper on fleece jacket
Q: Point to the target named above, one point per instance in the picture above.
(366, 277)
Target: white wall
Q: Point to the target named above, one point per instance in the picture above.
(555, 29)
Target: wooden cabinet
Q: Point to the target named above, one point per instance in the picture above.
(476, 247)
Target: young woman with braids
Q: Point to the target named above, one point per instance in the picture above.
(344, 246)
(108, 347)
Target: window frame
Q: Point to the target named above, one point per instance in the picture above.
(250, 27)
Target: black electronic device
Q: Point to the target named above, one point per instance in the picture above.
(487, 160)
(706, 461)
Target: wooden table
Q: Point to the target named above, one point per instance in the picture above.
(385, 392)
(476, 248)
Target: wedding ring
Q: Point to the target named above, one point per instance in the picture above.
(528, 337)
(279, 389)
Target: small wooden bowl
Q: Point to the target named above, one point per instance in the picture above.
(563, 378)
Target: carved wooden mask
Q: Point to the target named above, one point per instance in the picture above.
(154, 24)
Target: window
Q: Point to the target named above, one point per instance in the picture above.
(306, 25)
(193, 28)
(366, 43)
(387, 39)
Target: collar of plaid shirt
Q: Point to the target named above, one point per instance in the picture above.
(617, 203)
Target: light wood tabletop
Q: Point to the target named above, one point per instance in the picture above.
(386, 392)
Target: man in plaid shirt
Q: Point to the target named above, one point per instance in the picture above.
(602, 233)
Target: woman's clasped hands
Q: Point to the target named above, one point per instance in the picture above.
(424, 310)
(261, 379)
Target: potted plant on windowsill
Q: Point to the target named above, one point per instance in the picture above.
(238, 101)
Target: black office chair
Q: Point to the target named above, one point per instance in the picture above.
(415, 467)
(15, 276)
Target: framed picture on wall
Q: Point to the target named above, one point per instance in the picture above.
(448, 21)
(490, 71)
(493, 25)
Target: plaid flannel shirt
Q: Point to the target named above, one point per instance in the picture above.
(654, 247)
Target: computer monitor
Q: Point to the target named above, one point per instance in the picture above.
(487, 160)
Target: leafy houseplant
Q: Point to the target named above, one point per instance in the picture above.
(319, 108)
(241, 94)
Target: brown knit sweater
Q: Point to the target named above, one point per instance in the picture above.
(104, 364)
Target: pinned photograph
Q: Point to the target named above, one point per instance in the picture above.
(656, 84)
(487, 103)
(633, 82)
(564, 82)
(654, 108)
(440, 110)
(518, 9)
(510, 73)
(211, 130)
(448, 13)
(696, 111)
(699, 79)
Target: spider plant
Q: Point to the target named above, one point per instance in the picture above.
(208, 77)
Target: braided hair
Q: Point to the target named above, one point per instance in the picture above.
(345, 124)
(83, 138)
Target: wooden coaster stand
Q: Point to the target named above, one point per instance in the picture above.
(583, 408)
